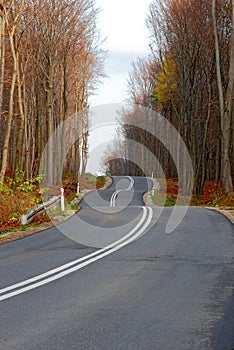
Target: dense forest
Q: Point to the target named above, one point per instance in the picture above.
(188, 79)
(50, 61)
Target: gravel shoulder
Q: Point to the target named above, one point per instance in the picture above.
(228, 213)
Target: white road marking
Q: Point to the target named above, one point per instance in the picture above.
(66, 269)
(115, 194)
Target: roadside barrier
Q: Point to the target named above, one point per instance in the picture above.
(39, 210)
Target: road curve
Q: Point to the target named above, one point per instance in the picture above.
(158, 291)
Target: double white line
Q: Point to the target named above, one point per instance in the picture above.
(115, 194)
(78, 264)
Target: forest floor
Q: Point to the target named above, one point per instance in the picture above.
(13, 205)
(212, 197)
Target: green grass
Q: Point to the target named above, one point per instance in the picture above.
(89, 178)
(72, 198)
(216, 201)
(159, 199)
(20, 228)
(100, 181)
(169, 203)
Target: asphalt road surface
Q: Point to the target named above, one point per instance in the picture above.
(111, 278)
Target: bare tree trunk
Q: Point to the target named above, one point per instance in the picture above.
(2, 64)
(225, 104)
(2, 58)
(226, 132)
(49, 115)
(11, 29)
(10, 115)
(19, 159)
(203, 174)
(233, 134)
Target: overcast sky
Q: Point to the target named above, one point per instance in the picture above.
(122, 23)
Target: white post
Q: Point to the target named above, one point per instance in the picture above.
(153, 190)
(62, 199)
(152, 175)
(78, 188)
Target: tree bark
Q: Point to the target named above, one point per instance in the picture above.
(225, 104)
(2, 58)
(10, 113)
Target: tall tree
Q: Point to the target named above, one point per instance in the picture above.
(50, 60)
(12, 13)
(225, 102)
(185, 88)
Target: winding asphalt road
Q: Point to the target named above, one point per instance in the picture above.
(111, 278)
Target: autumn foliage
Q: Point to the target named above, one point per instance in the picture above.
(50, 61)
(180, 80)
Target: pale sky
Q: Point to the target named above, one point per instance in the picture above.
(122, 23)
